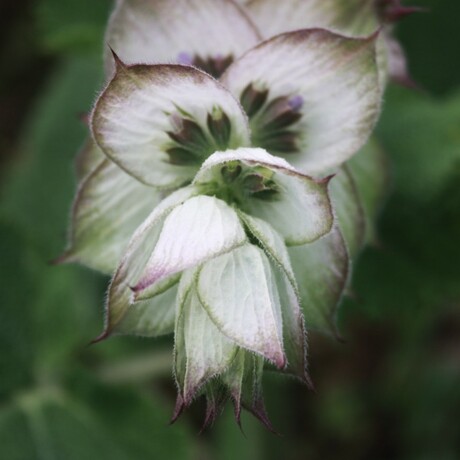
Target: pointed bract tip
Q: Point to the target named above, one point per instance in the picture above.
(258, 410)
(104, 335)
(62, 259)
(178, 409)
(399, 12)
(119, 64)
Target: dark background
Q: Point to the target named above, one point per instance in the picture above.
(391, 391)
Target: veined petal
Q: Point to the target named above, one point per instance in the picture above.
(370, 172)
(164, 31)
(330, 84)
(239, 294)
(108, 208)
(271, 242)
(202, 351)
(201, 228)
(321, 270)
(294, 333)
(299, 211)
(152, 317)
(349, 17)
(88, 159)
(348, 208)
(135, 121)
(119, 299)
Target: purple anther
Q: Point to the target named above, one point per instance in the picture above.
(295, 103)
(184, 58)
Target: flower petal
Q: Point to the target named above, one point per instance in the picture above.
(201, 228)
(349, 17)
(119, 299)
(134, 117)
(321, 270)
(239, 294)
(152, 317)
(331, 80)
(370, 171)
(300, 199)
(108, 208)
(161, 31)
(88, 159)
(348, 209)
(202, 351)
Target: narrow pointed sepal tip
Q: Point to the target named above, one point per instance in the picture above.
(259, 411)
(64, 258)
(178, 409)
(119, 64)
(104, 335)
(400, 12)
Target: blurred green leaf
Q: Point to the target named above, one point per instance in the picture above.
(72, 25)
(38, 192)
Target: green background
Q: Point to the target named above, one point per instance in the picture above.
(391, 391)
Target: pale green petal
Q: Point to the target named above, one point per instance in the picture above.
(201, 349)
(300, 212)
(348, 209)
(88, 159)
(152, 317)
(120, 295)
(199, 229)
(321, 270)
(134, 114)
(108, 208)
(239, 293)
(336, 80)
(161, 31)
(370, 171)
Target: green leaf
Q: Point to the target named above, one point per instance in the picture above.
(73, 26)
(39, 188)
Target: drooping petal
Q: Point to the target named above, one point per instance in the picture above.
(108, 208)
(201, 350)
(88, 159)
(321, 270)
(329, 87)
(239, 294)
(152, 317)
(145, 113)
(141, 245)
(164, 31)
(271, 242)
(348, 209)
(201, 228)
(299, 210)
(370, 171)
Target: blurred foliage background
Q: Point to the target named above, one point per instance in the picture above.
(391, 391)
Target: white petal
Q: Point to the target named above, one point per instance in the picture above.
(199, 229)
(140, 247)
(349, 17)
(271, 242)
(239, 293)
(370, 171)
(88, 159)
(300, 212)
(152, 317)
(335, 77)
(321, 270)
(348, 209)
(108, 208)
(201, 351)
(133, 115)
(161, 31)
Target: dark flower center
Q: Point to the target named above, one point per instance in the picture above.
(272, 121)
(213, 65)
(192, 143)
